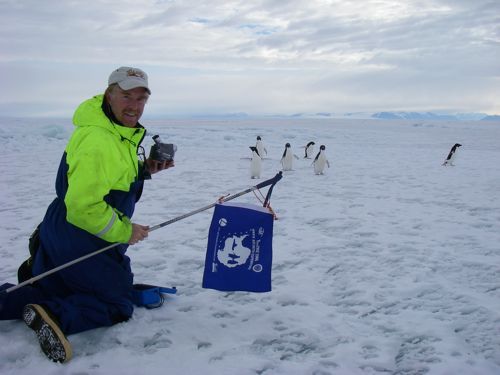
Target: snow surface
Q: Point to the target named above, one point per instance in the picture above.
(387, 264)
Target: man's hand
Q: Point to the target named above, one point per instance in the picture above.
(139, 232)
(157, 166)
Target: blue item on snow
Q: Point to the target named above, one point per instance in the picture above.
(150, 296)
(239, 250)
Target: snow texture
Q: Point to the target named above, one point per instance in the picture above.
(389, 263)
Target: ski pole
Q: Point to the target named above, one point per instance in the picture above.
(271, 181)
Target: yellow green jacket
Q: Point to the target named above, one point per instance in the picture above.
(98, 177)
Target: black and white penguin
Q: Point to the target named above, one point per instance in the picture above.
(320, 161)
(255, 163)
(260, 147)
(309, 150)
(451, 156)
(287, 158)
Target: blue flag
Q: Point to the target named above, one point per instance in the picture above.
(240, 250)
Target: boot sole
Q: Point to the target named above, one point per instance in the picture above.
(52, 340)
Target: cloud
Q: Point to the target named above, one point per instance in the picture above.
(260, 56)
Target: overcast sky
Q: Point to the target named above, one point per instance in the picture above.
(258, 57)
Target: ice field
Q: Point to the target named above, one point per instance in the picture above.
(389, 263)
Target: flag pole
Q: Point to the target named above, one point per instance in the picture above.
(271, 181)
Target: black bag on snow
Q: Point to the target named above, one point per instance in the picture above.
(25, 269)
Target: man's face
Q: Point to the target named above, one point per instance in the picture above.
(127, 105)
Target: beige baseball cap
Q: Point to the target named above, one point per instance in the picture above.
(129, 78)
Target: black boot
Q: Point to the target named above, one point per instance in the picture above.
(52, 340)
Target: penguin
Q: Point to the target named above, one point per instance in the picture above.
(451, 156)
(255, 163)
(287, 158)
(320, 161)
(260, 147)
(309, 149)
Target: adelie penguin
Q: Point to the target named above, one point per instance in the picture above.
(320, 161)
(451, 156)
(287, 158)
(255, 163)
(309, 150)
(260, 147)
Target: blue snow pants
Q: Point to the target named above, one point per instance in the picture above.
(93, 293)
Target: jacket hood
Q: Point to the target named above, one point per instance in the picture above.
(90, 113)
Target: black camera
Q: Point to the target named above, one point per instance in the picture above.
(162, 151)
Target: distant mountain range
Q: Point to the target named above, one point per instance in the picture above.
(433, 116)
(422, 116)
(491, 118)
(403, 116)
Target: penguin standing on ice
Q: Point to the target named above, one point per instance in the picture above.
(287, 158)
(255, 163)
(451, 156)
(260, 147)
(309, 149)
(320, 161)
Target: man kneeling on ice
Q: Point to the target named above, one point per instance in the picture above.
(99, 181)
